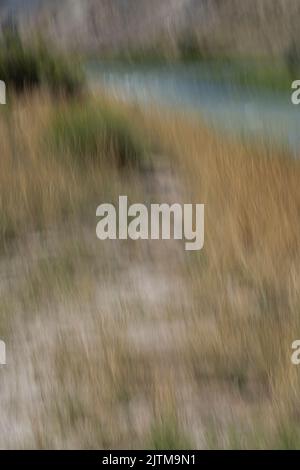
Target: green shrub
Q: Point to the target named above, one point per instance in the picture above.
(60, 74)
(292, 59)
(24, 67)
(90, 134)
(166, 435)
(189, 48)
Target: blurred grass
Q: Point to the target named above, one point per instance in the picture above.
(241, 294)
(92, 132)
(166, 435)
(248, 293)
(45, 145)
(24, 67)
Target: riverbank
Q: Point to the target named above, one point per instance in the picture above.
(243, 111)
(257, 73)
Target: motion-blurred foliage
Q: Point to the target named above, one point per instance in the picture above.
(25, 67)
(89, 133)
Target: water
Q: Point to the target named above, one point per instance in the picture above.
(222, 104)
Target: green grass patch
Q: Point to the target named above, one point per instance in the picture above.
(166, 435)
(91, 133)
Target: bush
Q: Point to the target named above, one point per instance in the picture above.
(292, 59)
(27, 67)
(90, 134)
(189, 48)
(60, 74)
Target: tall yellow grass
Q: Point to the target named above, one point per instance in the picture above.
(247, 279)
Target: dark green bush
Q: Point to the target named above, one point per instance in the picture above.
(189, 48)
(60, 74)
(90, 134)
(292, 59)
(24, 67)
